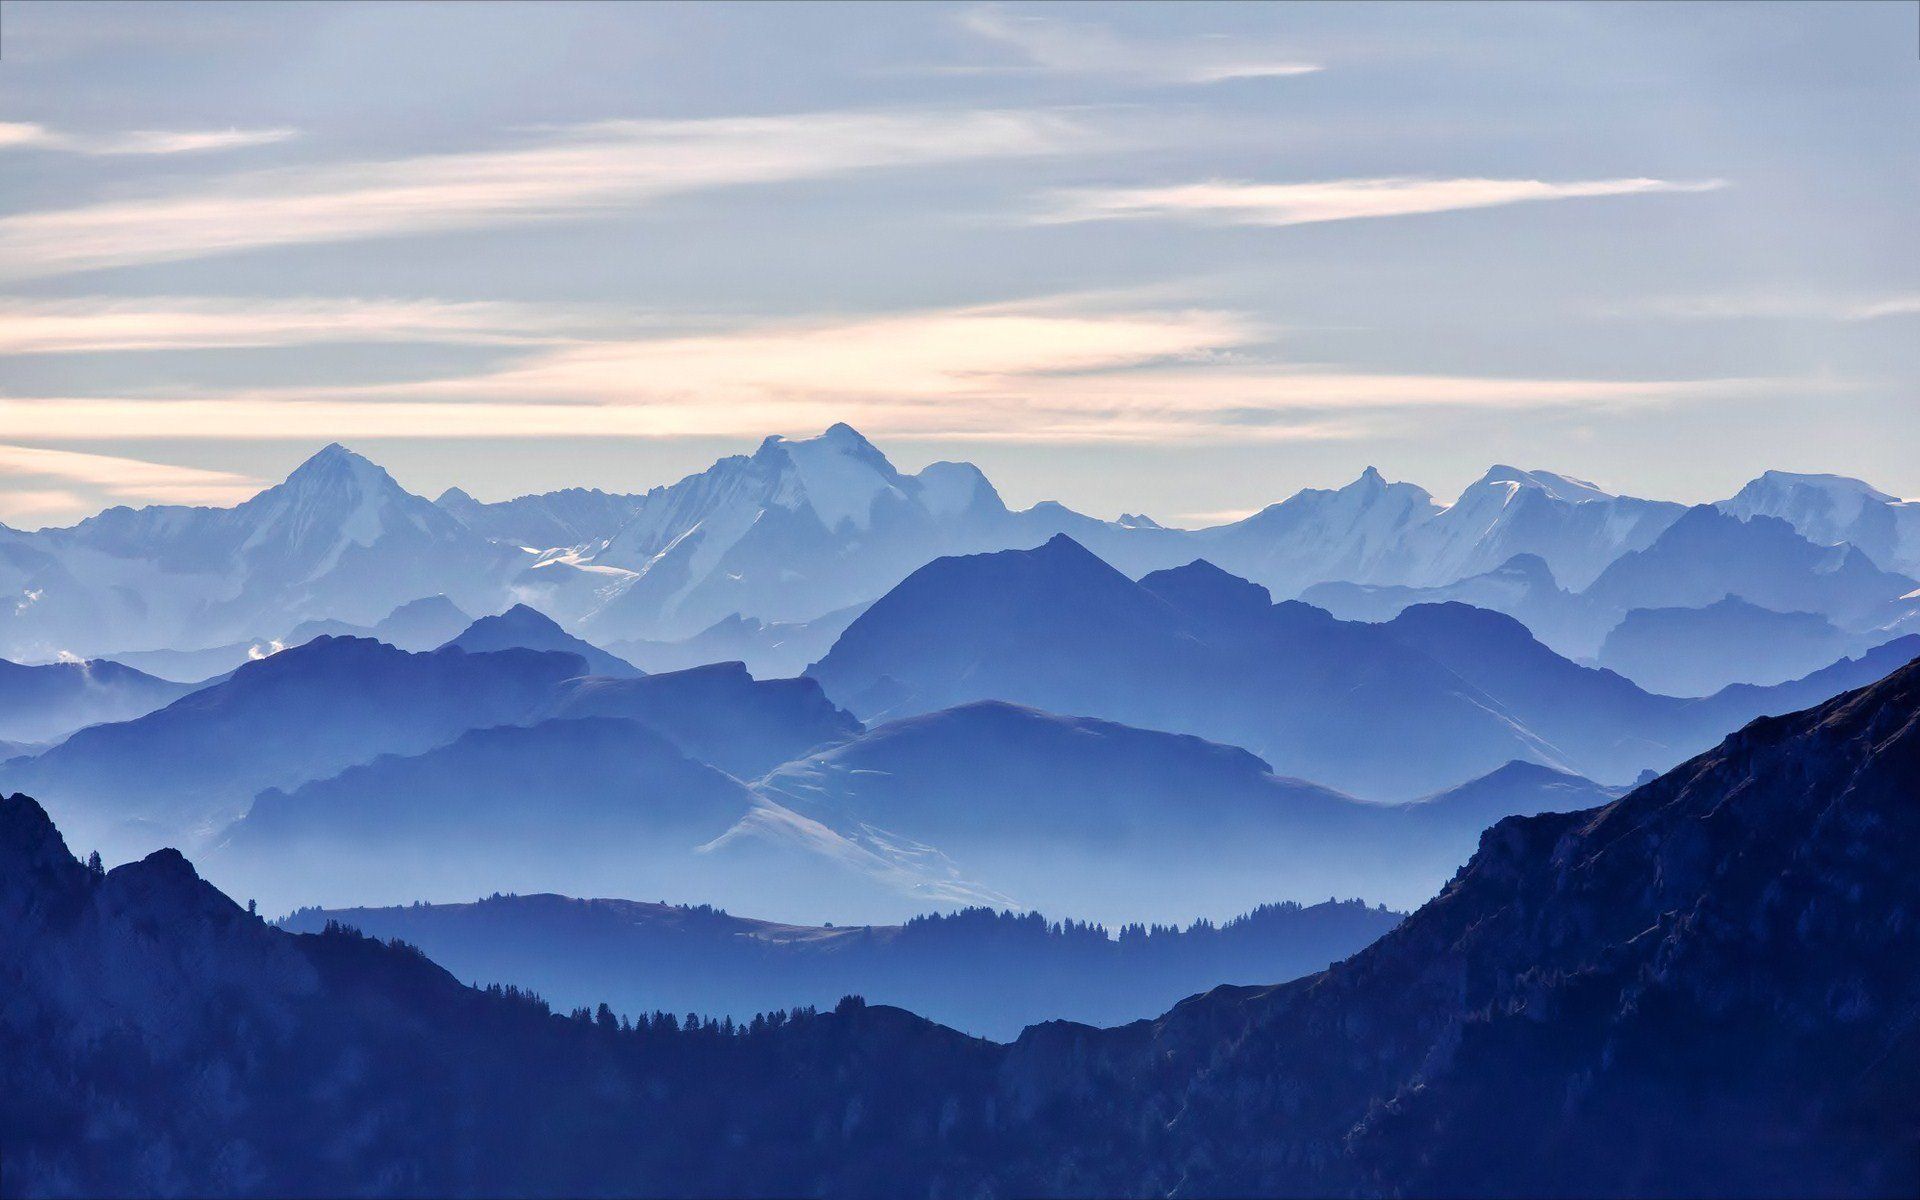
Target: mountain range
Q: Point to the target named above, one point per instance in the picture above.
(1455, 690)
(986, 973)
(764, 557)
(1702, 987)
(1041, 731)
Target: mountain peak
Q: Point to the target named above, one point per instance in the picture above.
(845, 436)
(1530, 568)
(839, 474)
(527, 628)
(27, 833)
(1062, 549)
(1839, 485)
(1560, 487)
(1202, 589)
(335, 471)
(333, 459)
(524, 617)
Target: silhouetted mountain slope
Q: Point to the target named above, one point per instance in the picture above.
(718, 713)
(986, 973)
(416, 625)
(1733, 706)
(1704, 987)
(1123, 824)
(298, 715)
(159, 1040)
(1693, 990)
(41, 703)
(1056, 628)
(1519, 789)
(530, 629)
(1698, 651)
(591, 803)
(1523, 587)
(768, 649)
(1600, 721)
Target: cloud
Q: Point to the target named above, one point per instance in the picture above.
(1774, 306)
(30, 506)
(577, 170)
(93, 325)
(1039, 372)
(1068, 48)
(81, 483)
(28, 136)
(1227, 203)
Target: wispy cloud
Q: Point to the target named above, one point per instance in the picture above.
(1228, 203)
(23, 135)
(1775, 306)
(38, 484)
(93, 325)
(1040, 372)
(584, 169)
(1049, 45)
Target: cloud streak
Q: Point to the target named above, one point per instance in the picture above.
(1039, 372)
(579, 170)
(81, 482)
(1776, 306)
(1052, 46)
(96, 325)
(1279, 204)
(25, 135)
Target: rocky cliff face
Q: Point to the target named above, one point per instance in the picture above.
(1703, 988)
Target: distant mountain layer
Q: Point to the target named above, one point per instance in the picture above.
(805, 528)
(1441, 693)
(527, 628)
(768, 649)
(41, 703)
(1192, 650)
(1698, 651)
(1718, 566)
(338, 540)
(416, 625)
(301, 714)
(1708, 555)
(985, 803)
(1099, 807)
(985, 973)
(1700, 988)
(1131, 824)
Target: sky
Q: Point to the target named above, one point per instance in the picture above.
(1174, 259)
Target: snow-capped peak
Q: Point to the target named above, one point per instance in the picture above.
(948, 489)
(1831, 509)
(839, 473)
(1561, 487)
(334, 464)
(1780, 482)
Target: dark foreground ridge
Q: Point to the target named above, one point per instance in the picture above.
(1706, 987)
